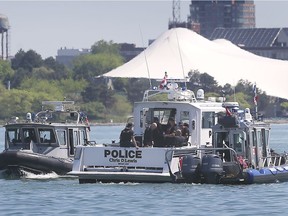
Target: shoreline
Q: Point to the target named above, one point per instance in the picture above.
(268, 120)
(276, 120)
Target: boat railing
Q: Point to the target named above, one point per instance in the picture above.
(172, 94)
(199, 152)
(272, 161)
(68, 116)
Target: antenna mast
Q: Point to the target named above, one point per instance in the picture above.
(150, 83)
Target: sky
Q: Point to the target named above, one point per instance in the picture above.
(46, 26)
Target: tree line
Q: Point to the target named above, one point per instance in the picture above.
(27, 80)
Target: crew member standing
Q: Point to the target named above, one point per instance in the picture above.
(127, 138)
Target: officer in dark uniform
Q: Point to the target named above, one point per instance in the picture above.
(127, 138)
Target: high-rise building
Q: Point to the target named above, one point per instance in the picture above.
(205, 16)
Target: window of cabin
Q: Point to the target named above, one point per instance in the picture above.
(184, 117)
(208, 119)
(13, 135)
(61, 134)
(164, 114)
(238, 140)
(29, 135)
(46, 136)
(83, 137)
(254, 140)
(75, 138)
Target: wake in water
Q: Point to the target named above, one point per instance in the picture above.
(29, 175)
(17, 174)
(23, 174)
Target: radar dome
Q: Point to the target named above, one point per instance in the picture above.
(200, 94)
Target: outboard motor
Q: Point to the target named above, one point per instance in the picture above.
(190, 168)
(212, 168)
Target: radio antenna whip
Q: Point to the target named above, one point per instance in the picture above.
(181, 59)
(146, 58)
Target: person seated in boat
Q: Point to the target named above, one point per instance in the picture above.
(242, 162)
(171, 127)
(157, 136)
(127, 138)
(184, 128)
(177, 140)
(159, 126)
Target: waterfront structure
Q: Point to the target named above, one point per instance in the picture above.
(205, 16)
(66, 56)
(266, 42)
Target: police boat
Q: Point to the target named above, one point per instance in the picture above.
(153, 163)
(44, 142)
(225, 145)
(241, 153)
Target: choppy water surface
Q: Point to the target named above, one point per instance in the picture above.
(51, 195)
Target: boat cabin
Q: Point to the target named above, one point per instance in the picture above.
(54, 131)
(181, 106)
(248, 138)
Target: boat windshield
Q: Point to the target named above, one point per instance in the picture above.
(46, 135)
(13, 135)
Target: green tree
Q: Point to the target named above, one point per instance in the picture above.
(208, 83)
(15, 103)
(105, 47)
(136, 88)
(6, 72)
(72, 89)
(19, 75)
(94, 110)
(119, 84)
(123, 108)
(37, 86)
(26, 60)
(99, 92)
(89, 66)
(60, 70)
(43, 73)
(202, 80)
(241, 98)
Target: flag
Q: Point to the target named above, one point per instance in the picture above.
(255, 99)
(163, 83)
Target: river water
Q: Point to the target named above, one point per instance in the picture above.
(54, 195)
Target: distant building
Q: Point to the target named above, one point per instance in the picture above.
(129, 51)
(205, 16)
(266, 42)
(66, 56)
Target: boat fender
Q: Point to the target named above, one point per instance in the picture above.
(250, 175)
(280, 169)
(267, 171)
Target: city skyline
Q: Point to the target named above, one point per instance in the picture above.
(46, 26)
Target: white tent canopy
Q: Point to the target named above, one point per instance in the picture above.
(180, 50)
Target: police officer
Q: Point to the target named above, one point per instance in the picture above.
(127, 138)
